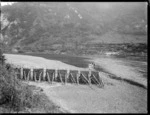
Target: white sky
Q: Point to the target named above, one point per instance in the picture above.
(6, 3)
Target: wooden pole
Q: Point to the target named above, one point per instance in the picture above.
(31, 73)
(60, 77)
(67, 75)
(56, 73)
(25, 75)
(94, 80)
(44, 74)
(35, 76)
(66, 78)
(101, 81)
(72, 78)
(53, 76)
(78, 75)
(89, 77)
(40, 76)
(48, 77)
(85, 78)
(21, 73)
(97, 80)
(28, 76)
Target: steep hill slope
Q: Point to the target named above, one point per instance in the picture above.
(58, 25)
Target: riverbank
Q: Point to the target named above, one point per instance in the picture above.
(77, 61)
(116, 96)
(124, 69)
(38, 62)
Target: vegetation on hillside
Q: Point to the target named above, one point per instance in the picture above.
(16, 96)
(66, 26)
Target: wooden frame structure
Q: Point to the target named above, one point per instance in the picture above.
(63, 76)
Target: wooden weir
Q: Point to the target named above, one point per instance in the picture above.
(62, 76)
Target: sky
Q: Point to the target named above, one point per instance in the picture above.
(102, 4)
(6, 3)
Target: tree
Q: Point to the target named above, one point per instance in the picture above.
(2, 47)
(2, 58)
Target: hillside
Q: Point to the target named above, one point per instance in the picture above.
(55, 26)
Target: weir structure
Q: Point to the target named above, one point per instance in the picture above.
(59, 75)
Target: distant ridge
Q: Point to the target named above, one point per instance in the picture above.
(51, 25)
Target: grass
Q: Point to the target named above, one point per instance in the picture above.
(16, 96)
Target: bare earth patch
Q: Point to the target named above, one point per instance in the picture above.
(118, 98)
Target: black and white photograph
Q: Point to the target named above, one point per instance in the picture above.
(73, 57)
